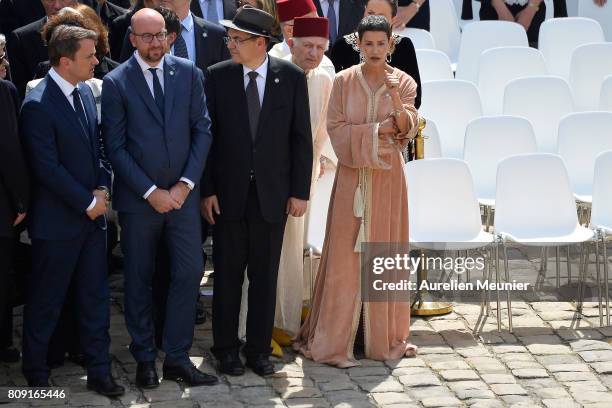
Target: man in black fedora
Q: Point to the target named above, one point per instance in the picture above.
(258, 171)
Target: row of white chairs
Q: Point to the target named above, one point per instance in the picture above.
(535, 206)
(543, 100)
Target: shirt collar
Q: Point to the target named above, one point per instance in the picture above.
(262, 70)
(187, 22)
(66, 87)
(144, 66)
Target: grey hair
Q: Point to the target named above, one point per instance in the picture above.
(65, 42)
(297, 41)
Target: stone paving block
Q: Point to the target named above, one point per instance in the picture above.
(516, 357)
(602, 368)
(428, 340)
(255, 395)
(391, 398)
(548, 349)
(596, 356)
(576, 334)
(450, 365)
(589, 345)
(406, 362)
(560, 359)
(556, 368)
(552, 393)
(398, 372)
(577, 387)
(480, 403)
(590, 397)
(173, 404)
(560, 403)
(436, 350)
(517, 365)
(435, 402)
(478, 351)
(559, 315)
(420, 393)
(383, 386)
(279, 383)
(419, 381)
(337, 397)
(575, 376)
(480, 394)
(307, 403)
(468, 385)
(519, 401)
(300, 392)
(499, 378)
(249, 379)
(338, 385)
(526, 373)
(355, 372)
(458, 375)
(90, 399)
(354, 404)
(211, 394)
(509, 348)
(508, 389)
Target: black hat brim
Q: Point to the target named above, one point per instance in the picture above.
(230, 24)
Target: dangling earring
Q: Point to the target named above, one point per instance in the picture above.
(388, 59)
(361, 57)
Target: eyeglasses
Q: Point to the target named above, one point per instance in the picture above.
(237, 40)
(148, 37)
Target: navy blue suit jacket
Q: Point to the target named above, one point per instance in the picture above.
(145, 147)
(65, 161)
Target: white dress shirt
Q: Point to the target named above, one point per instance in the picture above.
(149, 79)
(67, 88)
(325, 9)
(188, 34)
(262, 70)
(204, 8)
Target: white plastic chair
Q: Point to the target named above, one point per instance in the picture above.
(559, 37)
(482, 35)
(544, 101)
(601, 215)
(433, 65)
(488, 140)
(444, 27)
(534, 206)
(605, 95)
(421, 39)
(451, 104)
(498, 66)
(603, 15)
(582, 137)
(590, 64)
(433, 150)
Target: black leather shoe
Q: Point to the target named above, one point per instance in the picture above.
(9, 355)
(260, 365)
(38, 383)
(105, 386)
(188, 374)
(146, 376)
(230, 364)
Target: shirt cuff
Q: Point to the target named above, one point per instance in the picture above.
(149, 191)
(189, 182)
(92, 205)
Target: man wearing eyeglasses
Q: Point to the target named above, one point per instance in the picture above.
(156, 129)
(258, 173)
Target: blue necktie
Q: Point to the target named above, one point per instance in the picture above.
(180, 47)
(157, 91)
(211, 13)
(331, 17)
(78, 108)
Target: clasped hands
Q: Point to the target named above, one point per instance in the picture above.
(164, 201)
(101, 205)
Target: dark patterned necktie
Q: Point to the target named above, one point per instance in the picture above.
(180, 47)
(158, 93)
(331, 17)
(78, 108)
(254, 107)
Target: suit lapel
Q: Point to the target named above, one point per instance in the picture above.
(196, 9)
(201, 43)
(90, 109)
(169, 87)
(235, 86)
(273, 84)
(140, 84)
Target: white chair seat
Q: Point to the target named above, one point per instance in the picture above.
(535, 237)
(583, 198)
(489, 201)
(459, 243)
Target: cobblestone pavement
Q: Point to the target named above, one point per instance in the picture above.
(555, 358)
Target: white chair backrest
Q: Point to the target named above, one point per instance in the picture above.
(602, 14)
(498, 66)
(433, 150)
(490, 139)
(590, 64)
(544, 101)
(582, 137)
(601, 210)
(482, 35)
(451, 104)
(433, 65)
(317, 213)
(444, 27)
(421, 39)
(442, 204)
(533, 195)
(605, 95)
(559, 37)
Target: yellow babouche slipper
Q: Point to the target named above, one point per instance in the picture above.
(281, 337)
(305, 311)
(277, 351)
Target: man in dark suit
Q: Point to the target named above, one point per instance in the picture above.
(214, 10)
(26, 48)
(17, 13)
(344, 19)
(14, 201)
(108, 11)
(258, 171)
(157, 136)
(67, 223)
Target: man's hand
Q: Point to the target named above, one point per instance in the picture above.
(404, 15)
(388, 127)
(100, 207)
(296, 207)
(209, 206)
(162, 201)
(179, 192)
(19, 218)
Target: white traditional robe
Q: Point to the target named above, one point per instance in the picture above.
(281, 50)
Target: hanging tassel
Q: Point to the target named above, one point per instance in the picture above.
(358, 206)
(360, 237)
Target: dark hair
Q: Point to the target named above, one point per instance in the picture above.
(374, 23)
(173, 24)
(65, 42)
(66, 16)
(94, 22)
(392, 4)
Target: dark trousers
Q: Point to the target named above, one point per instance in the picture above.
(255, 244)
(487, 12)
(141, 234)
(6, 292)
(54, 265)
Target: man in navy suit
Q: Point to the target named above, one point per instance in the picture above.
(157, 136)
(69, 198)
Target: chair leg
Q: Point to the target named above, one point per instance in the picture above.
(581, 278)
(599, 294)
(489, 278)
(606, 289)
(487, 210)
(558, 266)
(569, 266)
(497, 280)
(467, 270)
(507, 269)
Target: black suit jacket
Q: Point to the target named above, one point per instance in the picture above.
(18, 13)
(350, 14)
(280, 156)
(14, 184)
(229, 9)
(26, 50)
(209, 45)
(117, 31)
(108, 12)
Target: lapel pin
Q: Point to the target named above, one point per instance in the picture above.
(171, 73)
(276, 81)
(204, 35)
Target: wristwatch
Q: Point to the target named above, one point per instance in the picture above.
(107, 195)
(188, 185)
